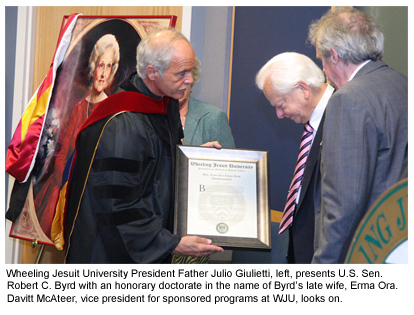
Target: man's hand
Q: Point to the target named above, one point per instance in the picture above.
(212, 144)
(196, 246)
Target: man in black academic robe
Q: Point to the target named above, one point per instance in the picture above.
(120, 201)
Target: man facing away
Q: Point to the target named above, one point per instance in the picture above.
(296, 86)
(121, 197)
(365, 138)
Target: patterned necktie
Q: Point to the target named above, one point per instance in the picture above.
(287, 217)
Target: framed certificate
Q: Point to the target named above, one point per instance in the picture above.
(223, 194)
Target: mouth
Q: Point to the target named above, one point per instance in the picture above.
(183, 88)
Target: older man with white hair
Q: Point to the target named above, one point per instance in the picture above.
(296, 87)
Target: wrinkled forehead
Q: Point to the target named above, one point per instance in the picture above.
(183, 55)
(268, 88)
(269, 91)
(183, 49)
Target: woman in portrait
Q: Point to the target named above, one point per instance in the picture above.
(103, 64)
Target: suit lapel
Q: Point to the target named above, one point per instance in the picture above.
(189, 129)
(195, 112)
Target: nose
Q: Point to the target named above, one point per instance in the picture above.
(189, 79)
(106, 72)
(279, 113)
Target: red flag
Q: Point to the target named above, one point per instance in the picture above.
(23, 148)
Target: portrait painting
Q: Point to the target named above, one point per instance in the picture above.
(100, 55)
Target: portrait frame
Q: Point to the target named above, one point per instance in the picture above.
(37, 211)
(231, 206)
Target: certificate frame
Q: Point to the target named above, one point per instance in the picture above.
(211, 164)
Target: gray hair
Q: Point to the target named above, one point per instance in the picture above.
(156, 50)
(354, 35)
(103, 43)
(285, 71)
(196, 71)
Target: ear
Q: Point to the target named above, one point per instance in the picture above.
(334, 56)
(305, 89)
(151, 72)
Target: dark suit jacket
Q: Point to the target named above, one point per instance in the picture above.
(364, 152)
(301, 232)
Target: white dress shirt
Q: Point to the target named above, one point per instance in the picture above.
(316, 118)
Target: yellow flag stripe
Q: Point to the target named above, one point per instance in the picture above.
(36, 109)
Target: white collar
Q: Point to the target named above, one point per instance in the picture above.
(359, 68)
(317, 113)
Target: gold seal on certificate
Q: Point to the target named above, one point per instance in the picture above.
(222, 228)
(223, 194)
